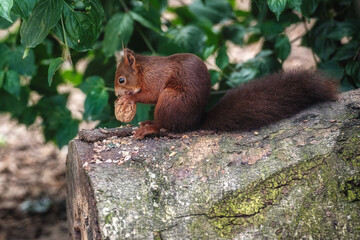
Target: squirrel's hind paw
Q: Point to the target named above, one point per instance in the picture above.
(143, 131)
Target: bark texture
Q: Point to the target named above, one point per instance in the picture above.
(295, 179)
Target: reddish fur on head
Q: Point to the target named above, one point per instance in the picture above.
(128, 71)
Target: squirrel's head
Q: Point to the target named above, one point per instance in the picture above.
(127, 80)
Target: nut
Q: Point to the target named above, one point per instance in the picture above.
(125, 109)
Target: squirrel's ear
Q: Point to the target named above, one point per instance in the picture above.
(129, 59)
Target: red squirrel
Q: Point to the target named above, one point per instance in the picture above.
(180, 86)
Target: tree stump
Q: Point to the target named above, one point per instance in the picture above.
(295, 179)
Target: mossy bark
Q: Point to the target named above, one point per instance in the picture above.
(296, 179)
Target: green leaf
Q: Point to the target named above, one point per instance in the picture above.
(289, 18)
(14, 104)
(99, 66)
(5, 7)
(117, 33)
(212, 36)
(4, 53)
(319, 41)
(214, 11)
(39, 82)
(344, 29)
(208, 51)
(234, 33)
(333, 69)
(242, 13)
(159, 5)
(57, 122)
(271, 28)
(266, 62)
(68, 131)
(79, 6)
(261, 5)
(143, 113)
(12, 83)
(244, 75)
(73, 77)
(308, 7)
(167, 45)
(277, 7)
(146, 4)
(295, 4)
(282, 47)
(82, 28)
(353, 69)
(214, 76)
(22, 66)
(4, 24)
(43, 18)
(222, 59)
(23, 8)
(263, 63)
(149, 19)
(53, 67)
(191, 38)
(2, 77)
(96, 96)
(346, 51)
(28, 115)
(347, 84)
(184, 15)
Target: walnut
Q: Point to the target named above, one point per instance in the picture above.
(125, 110)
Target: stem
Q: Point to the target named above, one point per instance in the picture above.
(67, 54)
(219, 92)
(109, 89)
(69, 6)
(26, 53)
(356, 54)
(124, 5)
(147, 42)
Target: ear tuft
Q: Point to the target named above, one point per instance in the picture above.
(129, 58)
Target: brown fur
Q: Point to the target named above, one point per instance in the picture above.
(269, 99)
(179, 85)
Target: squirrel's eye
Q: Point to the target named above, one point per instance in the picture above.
(121, 80)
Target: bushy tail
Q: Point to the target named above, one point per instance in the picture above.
(269, 99)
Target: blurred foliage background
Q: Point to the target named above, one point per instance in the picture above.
(47, 41)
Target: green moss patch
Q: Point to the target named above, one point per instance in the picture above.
(247, 207)
(351, 188)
